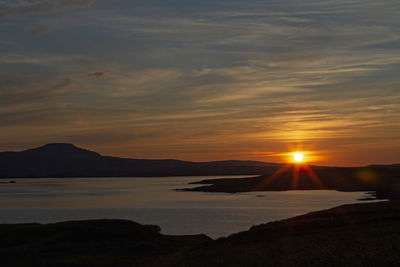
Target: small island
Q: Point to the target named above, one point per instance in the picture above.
(382, 180)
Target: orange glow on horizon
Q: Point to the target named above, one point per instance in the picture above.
(298, 154)
(299, 157)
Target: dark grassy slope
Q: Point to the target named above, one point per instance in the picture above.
(88, 243)
(350, 235)
(384, 180)
(67, 160)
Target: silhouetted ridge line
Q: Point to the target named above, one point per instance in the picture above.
(60, 149)
(68, 160)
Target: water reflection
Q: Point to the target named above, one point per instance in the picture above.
(154, 201)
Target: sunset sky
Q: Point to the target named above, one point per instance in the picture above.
(203, 80)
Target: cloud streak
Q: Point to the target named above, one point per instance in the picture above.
(45, 7)
(40, 30)
(99, 74)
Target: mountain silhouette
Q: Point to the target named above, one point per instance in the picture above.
(68, 160)
(64, 150)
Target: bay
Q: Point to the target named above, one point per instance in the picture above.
(154, 200)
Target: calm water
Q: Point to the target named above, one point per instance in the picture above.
(153, 201)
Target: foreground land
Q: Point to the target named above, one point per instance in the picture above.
(365, 234)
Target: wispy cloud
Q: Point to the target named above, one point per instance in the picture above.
(99, 74)
(44, 7)
(40, 30)
(16, 95)
(49, 59)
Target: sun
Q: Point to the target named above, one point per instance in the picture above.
(298, 157)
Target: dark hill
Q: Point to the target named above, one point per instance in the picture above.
(349, 235)
(88, 243)
(67, 160)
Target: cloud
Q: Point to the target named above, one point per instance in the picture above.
(50, 59)
(29, 90)
(150, 83)
(100, 74)
(45, 7)
(40, 30)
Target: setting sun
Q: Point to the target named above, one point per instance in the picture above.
(298, 157)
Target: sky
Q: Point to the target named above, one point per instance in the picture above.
(203, 80)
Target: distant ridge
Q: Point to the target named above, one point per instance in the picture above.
(383, 165)
(68, 160)
(61, 149)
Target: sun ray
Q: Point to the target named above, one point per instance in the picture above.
(296, 176)
(298, 165)
(271, 178)
(314, 176)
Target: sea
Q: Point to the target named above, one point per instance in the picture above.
(155, 200)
